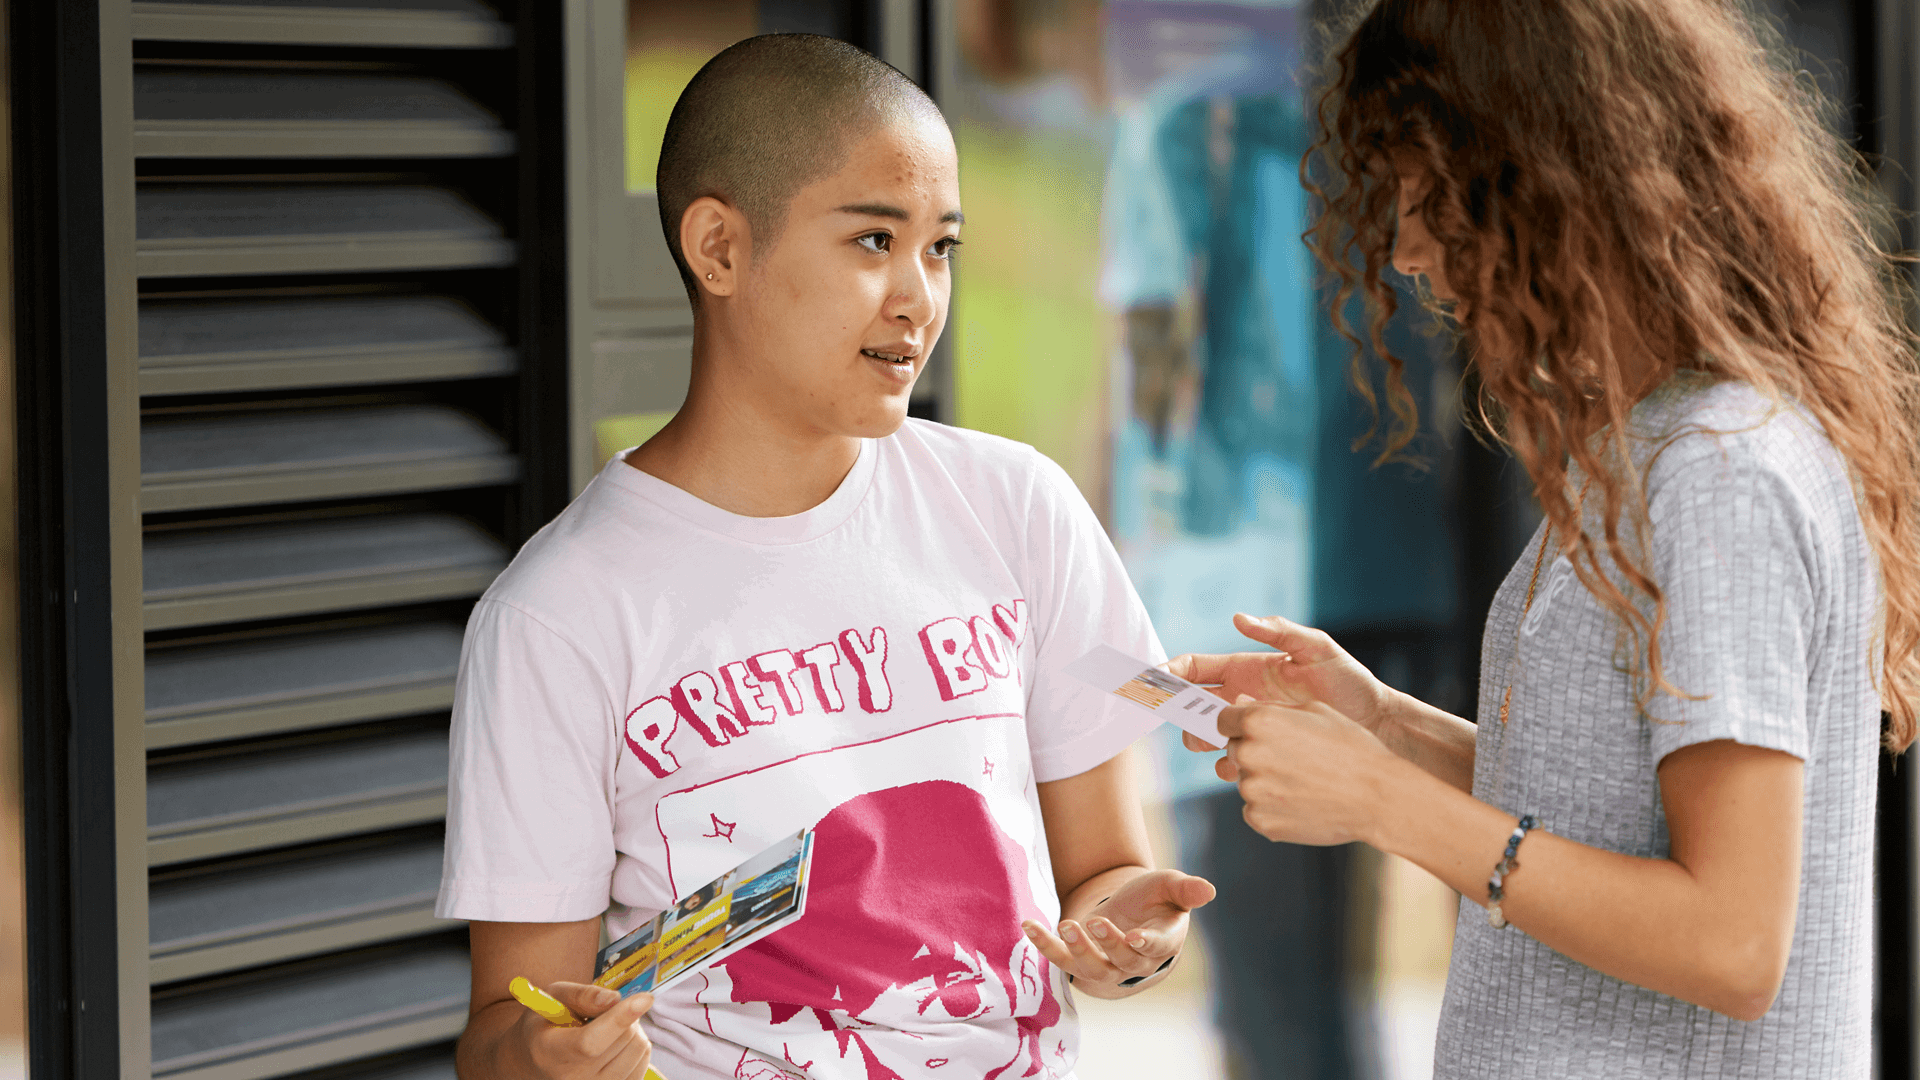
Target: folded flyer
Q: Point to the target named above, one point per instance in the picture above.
(1186, 705)
(720, 918)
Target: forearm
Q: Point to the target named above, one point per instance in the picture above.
(486, 1053)
(1649, 922)
(1439, 742)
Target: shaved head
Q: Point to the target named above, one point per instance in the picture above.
(769, 116)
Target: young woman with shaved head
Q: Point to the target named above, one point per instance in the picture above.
(797, 608)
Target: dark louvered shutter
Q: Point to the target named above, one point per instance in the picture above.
(336, 458)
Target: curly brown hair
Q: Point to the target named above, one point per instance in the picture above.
(1628, 175)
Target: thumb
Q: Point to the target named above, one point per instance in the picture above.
(1192, 892)
(1284, 635)
(1267, 629)
(585, 1000)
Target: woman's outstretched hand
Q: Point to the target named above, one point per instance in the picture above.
(1307, 667)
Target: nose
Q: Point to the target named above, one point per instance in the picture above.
(917, 298)
(1411, 247)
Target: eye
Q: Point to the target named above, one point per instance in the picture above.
(879, 243)
(945, 247)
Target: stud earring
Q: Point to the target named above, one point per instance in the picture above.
(709, 277)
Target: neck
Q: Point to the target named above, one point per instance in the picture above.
(741, 452)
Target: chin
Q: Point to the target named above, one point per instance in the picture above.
(879, 422)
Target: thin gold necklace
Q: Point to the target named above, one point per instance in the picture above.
(1506, 699)
(1526, 607)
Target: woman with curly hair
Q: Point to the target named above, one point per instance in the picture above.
(1666, 271)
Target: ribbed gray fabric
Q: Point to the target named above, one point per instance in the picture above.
(1773, 606)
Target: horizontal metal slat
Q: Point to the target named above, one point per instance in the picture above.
(214, 230)
(447, 24)
(197, 577)
(312, 1015)
(206, 808)
(193, 462)
(256, 114)
(213, 346)
(433, 1062)
(233, 690)
(226, 920)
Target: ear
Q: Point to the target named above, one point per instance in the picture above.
(717, 244)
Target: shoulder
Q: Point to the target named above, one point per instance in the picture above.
(1697, 435)
(606, 542)
(977, 462)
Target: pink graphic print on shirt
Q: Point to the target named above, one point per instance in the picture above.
(913, 920)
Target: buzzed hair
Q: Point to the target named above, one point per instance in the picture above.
(767, 117)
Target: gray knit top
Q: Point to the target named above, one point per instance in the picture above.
(1773, 611)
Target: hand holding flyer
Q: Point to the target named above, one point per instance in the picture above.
(1188, 706)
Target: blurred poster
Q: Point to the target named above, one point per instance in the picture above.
(1215, 434)
(1215, 405)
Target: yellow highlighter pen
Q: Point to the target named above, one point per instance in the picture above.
(542, 1003)
(550, 1010)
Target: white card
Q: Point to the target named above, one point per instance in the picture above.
(1171, 698)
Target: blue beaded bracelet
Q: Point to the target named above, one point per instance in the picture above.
(1507, 865)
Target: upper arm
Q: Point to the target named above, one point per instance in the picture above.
(529, 808)
(545, 953)
(1734, 819)
(1078, 597)
(1093, 823)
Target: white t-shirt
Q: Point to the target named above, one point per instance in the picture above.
(657, 689)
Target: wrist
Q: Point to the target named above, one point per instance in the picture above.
(1125, 988)
(1384, 787)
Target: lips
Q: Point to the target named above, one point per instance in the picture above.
(890, 357)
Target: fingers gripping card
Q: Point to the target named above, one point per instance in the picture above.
(1168, 696)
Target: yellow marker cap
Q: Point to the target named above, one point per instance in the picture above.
(542, 1002)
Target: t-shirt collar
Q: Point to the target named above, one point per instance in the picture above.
(793, 529)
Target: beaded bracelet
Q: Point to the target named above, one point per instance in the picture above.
(1506, 865)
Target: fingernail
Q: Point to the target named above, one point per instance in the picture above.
(1243, 699)
(606, 997)
(1099, 931)
(1032, 930)
(1137, 942)
(1068, 933)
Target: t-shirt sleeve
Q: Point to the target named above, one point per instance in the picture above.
(530, 792)
(1733, 555)
(1080, 598)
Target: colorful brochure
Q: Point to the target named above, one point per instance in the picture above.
(1171, 698)
(714, 921)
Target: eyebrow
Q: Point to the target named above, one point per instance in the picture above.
(894, 212)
